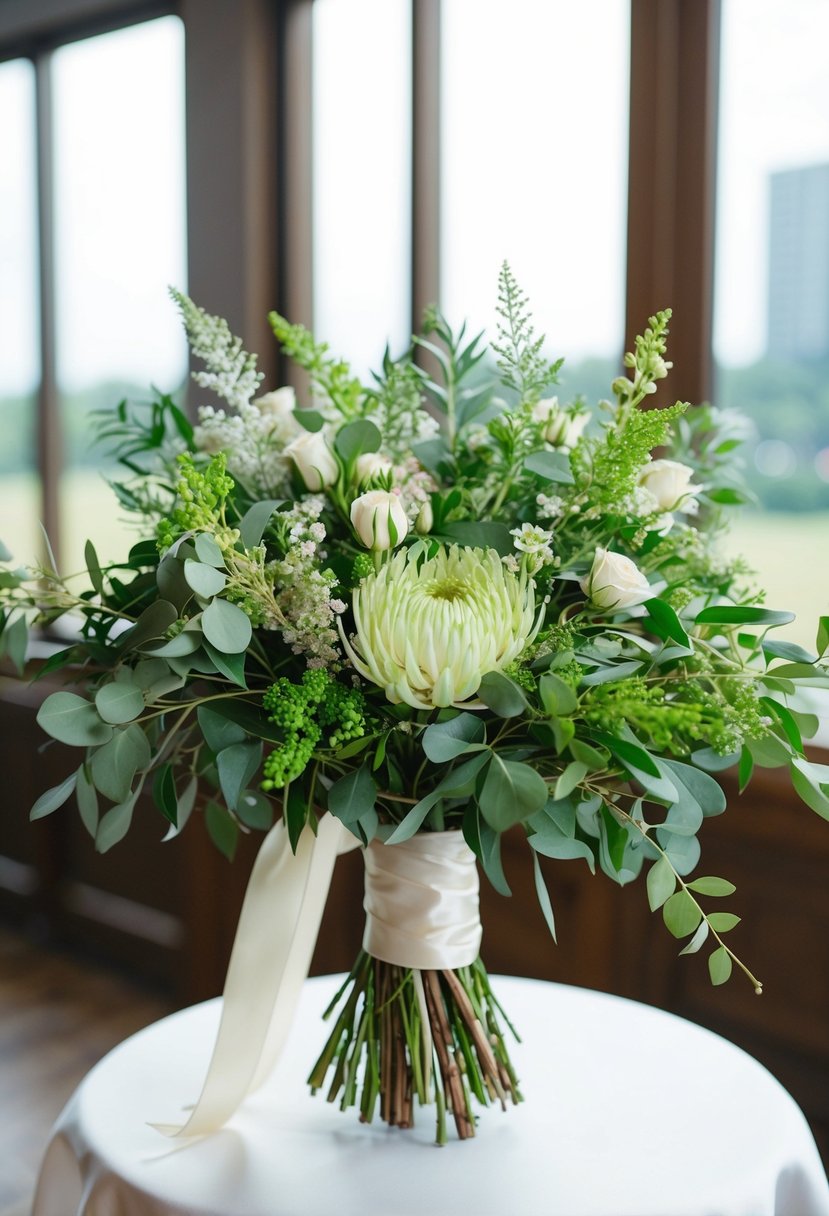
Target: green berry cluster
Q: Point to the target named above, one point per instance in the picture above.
(201, 494)
(362, 567)
(306, 712)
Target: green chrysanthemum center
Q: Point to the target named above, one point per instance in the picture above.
(428, 631)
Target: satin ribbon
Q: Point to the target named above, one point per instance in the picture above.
(421, 902)
(422, 905)
(275, 939)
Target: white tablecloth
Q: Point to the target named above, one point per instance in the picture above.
(629, 1112)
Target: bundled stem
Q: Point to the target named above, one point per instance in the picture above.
(392, 1043)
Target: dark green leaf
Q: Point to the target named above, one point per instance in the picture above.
(164, 792)
(352, 796)
(822, 642)
(616, 837)
(311, 420)
(459, 783)
(153, 623)
(786, 650)
(746, 768)
(728, 614)
(667, 622)
(491, 857)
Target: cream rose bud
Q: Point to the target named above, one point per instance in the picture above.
(314, 460)
(280, 403)
(558, 427)
(615, 581)
(425, 519)
(371, 464)
(379, 519)
(669, 482)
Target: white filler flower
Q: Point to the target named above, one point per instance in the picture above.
(428, 631)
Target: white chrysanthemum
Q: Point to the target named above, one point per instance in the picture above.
(428, 631)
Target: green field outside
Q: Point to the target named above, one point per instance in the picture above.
(789, 551)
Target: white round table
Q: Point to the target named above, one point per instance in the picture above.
(629, 1111)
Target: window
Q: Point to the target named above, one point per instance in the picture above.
(771, 331)
(107, 124)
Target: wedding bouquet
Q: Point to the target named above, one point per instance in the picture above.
(435, 607)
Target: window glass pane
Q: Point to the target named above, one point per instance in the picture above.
(120, 241)
(534, 170)
(362, 177)
(771, 316)
(19, 339)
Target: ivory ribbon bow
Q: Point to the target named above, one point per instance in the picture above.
(275, 939)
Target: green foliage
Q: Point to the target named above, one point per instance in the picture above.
(608, 472)
(202, 494)
(520, 362)
(330, 377)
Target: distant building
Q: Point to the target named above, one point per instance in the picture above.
(798, 312)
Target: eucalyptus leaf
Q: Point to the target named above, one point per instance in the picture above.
(357, 438)
(153, 623)
(15, 639)
(511, 792)
(205, 580)
(87, 800)
(661, 883)
(115, 824)
(53, 798)
(709, 885)
(502, 695)
(552, 466)
(230, 665)
(544, 901)
(558, 698)
(226, 627)
(71, 719)
(723, 922)
(255, 810)
(236, 765)
(352, 796)
(118, 702)
(444, 741)
(222, 829)
(113, 766)
(208, 551)
(681, 914)
(698, 940)
(719, 965)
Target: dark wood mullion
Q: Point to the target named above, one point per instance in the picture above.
(295, 214)
(49, 422)
(426, 146)
(673, 115)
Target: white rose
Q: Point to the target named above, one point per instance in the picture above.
(615, 581)
(669, 482)
(559, 428)
(313, 459)
(371, 464)
(379, 519)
